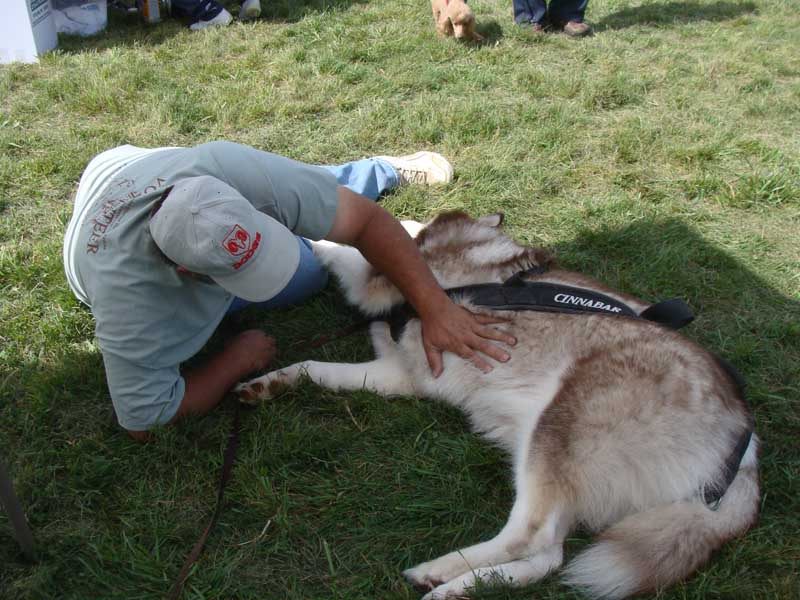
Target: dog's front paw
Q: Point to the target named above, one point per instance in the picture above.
(458, 587)
(262, 388)
(421, 579)
(438, 594)
(250, 392)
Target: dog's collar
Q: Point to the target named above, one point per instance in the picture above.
(713, 492)
(518, 294)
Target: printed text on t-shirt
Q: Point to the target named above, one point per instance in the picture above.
(112, 206)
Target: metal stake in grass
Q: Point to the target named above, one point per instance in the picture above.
(9, 500)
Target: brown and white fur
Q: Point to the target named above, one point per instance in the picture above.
(612, 423)
(454, 18)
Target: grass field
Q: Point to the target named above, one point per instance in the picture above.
(661, 155)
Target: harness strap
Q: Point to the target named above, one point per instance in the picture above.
(517, 293)
(516, 278)
(732, 372)
(713, 493)
(674, 313)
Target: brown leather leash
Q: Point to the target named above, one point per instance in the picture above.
(229, 458)
(319, 341)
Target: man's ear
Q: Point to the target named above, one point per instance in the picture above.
(160, 201)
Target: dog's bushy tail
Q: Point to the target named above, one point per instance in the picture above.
(662, 546)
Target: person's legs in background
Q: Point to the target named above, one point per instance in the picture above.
(202, 13)
(568, 14)
(530, 12)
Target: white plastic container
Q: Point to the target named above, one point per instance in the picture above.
(27, 30)
(80, 17)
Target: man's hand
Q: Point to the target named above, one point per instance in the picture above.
(251, 350)
(452, 328)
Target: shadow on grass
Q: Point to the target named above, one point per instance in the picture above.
(738, 314)
(490, 30)
(673, 14)
(290, 11)
(122, 31)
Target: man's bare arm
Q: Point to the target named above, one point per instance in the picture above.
(387, 246)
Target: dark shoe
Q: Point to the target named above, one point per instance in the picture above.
(577, 29)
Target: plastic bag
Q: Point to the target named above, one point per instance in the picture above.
(80, 17)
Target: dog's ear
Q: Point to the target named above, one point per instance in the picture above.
(494, 220)
(541, 258)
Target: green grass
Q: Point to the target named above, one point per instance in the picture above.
(661, 155)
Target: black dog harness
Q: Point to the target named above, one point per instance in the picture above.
(517, 294)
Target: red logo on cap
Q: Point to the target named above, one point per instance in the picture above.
(237, 242)
(240, 245)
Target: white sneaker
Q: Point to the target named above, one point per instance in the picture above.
(251, 9)
(421, 167)
(223, 18)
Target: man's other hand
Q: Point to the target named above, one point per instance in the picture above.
(251, 350)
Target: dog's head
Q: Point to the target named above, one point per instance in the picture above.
(461, 250)
(463, 21)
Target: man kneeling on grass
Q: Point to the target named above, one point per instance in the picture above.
(163, 243)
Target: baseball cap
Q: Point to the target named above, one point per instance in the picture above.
(208, 227)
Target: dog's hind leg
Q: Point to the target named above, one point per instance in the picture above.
(332, 254)
(340, 259)
(540, 520)
(523, 549)
(517, 573)
(362, 285)
(383, 375)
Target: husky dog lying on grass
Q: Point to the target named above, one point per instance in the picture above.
(613, 422)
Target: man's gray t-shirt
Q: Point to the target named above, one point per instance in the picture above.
(149, 319)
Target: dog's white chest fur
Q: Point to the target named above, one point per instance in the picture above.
(503, 404)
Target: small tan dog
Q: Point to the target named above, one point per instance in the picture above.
(455, 19)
